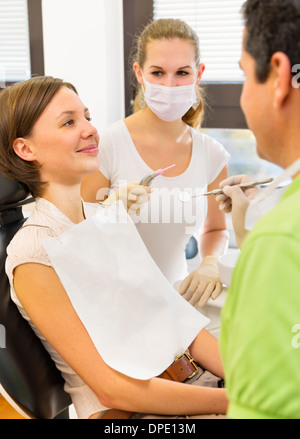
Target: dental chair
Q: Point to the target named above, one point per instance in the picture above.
(29, 379)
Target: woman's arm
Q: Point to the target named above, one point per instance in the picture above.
(48, 306)
(214, 239)
(203, 282)
(205, 350)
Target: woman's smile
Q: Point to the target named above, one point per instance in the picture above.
(90, 149)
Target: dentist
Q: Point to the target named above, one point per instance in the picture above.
(261, 361)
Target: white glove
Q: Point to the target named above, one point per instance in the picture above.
(133, 196)
(236, 201)
(202, 283)
(225, 201)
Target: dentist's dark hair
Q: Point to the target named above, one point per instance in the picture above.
(272, 26)
(21, 105)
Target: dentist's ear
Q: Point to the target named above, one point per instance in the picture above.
(23, 149)
(281, 69)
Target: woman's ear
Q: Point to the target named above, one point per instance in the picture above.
(22, 149)
(281, 71)
(138, 72)
(200, 73)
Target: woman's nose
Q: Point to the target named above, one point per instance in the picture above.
(170, 81)
(89, 129)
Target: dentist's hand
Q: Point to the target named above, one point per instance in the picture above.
(225, 201)
(236, 201)
(202, 283)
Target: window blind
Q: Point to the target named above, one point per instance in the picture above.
(219, 25)
(14, 41)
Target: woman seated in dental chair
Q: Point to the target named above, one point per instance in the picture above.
(48, 143)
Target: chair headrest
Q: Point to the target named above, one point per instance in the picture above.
(11, 192)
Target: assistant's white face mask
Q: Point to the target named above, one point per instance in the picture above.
(269, 197)
(169, 103)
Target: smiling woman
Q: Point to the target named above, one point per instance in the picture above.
(63, 136)
(52, 136)
(19, 127)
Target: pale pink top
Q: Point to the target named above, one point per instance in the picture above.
(27, 247)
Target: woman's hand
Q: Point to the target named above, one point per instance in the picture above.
(202, 283)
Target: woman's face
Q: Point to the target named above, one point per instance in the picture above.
(170, 62)
(63, 140)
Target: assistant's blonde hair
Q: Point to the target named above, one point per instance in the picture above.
(169, 28)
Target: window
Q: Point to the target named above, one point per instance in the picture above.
(21, 40)
(14, 41)
(241, 145)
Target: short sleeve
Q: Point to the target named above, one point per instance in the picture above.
(27, 247)
(218, 157)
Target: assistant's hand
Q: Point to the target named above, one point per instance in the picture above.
(202, 283)
(236, 201)
(133, 196)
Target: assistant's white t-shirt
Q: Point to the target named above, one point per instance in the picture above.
(165, 223)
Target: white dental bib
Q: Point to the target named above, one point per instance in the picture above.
(269, 197)
(135, 318)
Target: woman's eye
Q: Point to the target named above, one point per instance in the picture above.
(88, 118)
(182, 73)
(68, 123)
(158, 73)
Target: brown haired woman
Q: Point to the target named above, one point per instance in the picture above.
(48, 143)
(163, 130)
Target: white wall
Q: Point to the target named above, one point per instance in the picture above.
(83, 44)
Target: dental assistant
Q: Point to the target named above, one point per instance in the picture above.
(163, 130)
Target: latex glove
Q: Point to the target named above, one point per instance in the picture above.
(202, 283)
(236, 201)
(133, 196)
(225, 201)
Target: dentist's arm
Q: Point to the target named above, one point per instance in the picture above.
(236, 201)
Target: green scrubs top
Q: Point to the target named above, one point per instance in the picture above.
(260, 328)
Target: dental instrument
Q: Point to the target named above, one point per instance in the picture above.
(184, 197)
(146, 181)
